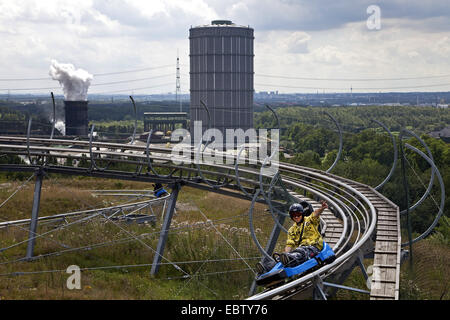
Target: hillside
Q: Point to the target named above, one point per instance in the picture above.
(193, 238)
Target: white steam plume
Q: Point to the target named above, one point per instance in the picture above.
(75, 82)
(61, 127)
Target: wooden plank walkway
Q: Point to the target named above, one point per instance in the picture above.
(386, 263)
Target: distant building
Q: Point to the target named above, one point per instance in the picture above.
(164, 121)
(443, 134)
(221, 75)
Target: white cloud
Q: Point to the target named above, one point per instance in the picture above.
(292, 38)
(297, 42)
(352, 51)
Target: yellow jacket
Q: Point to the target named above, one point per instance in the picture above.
(311, 235)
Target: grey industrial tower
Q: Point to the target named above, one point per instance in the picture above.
(221, 75)
(76, 115)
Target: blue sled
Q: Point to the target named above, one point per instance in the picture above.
(279, 272)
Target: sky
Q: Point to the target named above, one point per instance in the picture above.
(131, 46)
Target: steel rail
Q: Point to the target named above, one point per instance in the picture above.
(120, 154)
(366, 235)
(322, 195)
(135, 120)
(197, 154)
(352, 221)
(394, 162)
(89, 211)
(99, 151)
(442, 204)
(338, 156)
(149, 161)
(99, 144)
(115, 154)
(54, 116)
(109, 153)
(329, 199)
(349, 233)
(352, 251)
(433, 171)
(118, 146)
(336, 200)
(358, 247)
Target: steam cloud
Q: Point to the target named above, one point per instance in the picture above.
(75, 82)
(61, 127)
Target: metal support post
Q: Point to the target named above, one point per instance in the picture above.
(333, 285)
(270, 246)
(319, 293)
(361, 266)
(406, 190)
(34, 215)
(165, 228)
(340, 278)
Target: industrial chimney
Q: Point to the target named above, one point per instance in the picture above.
(75, 84)
(76, 118)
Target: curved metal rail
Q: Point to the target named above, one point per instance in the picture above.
(350, 224)
(122, 208)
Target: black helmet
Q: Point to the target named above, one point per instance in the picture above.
(157, 186)
(295, 208)
(307, 208)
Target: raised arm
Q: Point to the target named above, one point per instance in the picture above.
(320, 210)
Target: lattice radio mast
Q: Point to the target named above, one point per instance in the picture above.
(178, 86)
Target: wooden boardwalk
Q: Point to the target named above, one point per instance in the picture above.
(386, 263)
(358, 206)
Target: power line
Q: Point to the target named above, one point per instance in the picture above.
(348, 79)
(176, 230)
(256, 74)
(133, 80)
(353, 88)
(95, 74)
(24, 273)
(131, 71)
(256, 84)
(351, 79)
(26, 79)
(97, 84)
(132, 89)
(24, 89)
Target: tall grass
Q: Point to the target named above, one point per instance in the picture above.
(428, 277)
(209, 240)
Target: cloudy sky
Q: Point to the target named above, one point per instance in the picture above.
(300, 45)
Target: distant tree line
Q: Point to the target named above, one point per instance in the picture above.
(356, 119)
(311, 140)
(16, 122)
(97, 111)
(117, 128)
(124, 110)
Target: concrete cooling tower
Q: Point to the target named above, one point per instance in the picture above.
(76, 118)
